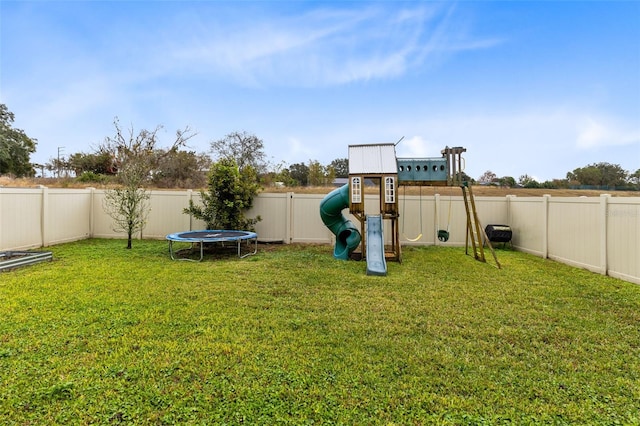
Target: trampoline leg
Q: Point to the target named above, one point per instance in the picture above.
(255, 248)
(171, 250)
(174, 257)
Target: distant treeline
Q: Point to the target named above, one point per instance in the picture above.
(606, 187)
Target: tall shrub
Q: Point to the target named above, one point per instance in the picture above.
(230, 194)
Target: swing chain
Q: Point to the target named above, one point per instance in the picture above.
(404, 211)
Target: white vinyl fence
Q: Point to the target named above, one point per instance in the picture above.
(601, 234)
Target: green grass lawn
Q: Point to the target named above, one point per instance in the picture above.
(104, 335)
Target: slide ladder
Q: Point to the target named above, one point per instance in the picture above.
(376, 263)
(475, 232)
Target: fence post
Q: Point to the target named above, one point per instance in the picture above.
(44, 217)
(436, 215)
(509, 198)
(288, 238)
(545, 225)
(92, 192)
(188, 220)
(604, 210)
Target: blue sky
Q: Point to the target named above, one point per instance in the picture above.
(537, 88)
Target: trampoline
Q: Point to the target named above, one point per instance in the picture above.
(213, 236)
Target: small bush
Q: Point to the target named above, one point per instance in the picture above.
(86, 177)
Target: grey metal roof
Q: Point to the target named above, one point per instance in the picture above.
(373, 159)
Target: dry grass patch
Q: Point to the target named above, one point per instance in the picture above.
(484, 191)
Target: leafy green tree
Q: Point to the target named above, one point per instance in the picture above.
(507, 181)
(15, 147)
(285, 177)
(527, 181)
(300, 172)
(230, 194)
(101, 163)
(635, 178)
(320, 175)
(341, 167)
(316, 173)
(280, 175)
(599, 174)
(463, 177)
(329, 175)
(556, 184)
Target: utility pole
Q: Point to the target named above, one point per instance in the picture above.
(60, 150)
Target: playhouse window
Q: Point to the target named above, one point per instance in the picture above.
(389, 190)
(356, 190)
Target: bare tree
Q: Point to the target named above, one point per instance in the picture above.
(244, 148)
(127, 147)
(135, 157)
(487, 177)
(129, 209)
(183, 169)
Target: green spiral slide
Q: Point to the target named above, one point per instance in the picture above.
(347, 235)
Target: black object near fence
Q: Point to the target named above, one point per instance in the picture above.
(499, 233)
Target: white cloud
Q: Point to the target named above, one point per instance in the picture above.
(323, 47)
(601, 132)
(539, 142)
(417, 147)
(295, 149)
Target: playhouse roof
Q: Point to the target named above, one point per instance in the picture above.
(373, 159)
